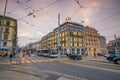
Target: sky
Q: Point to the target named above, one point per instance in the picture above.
(36, 18)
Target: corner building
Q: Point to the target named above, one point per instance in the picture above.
(71, 38)
(8, 32)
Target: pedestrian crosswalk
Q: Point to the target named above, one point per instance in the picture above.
(26, 61)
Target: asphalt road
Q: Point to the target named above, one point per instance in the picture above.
(83, 69)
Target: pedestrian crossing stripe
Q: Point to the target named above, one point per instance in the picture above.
(31, 61)
(27, 61)
(39, 60)
(14, 62)
(22, 62)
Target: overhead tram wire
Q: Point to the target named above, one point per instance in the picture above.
(43, 21)
(102, 20)
(49, 19)
(99, 8)
(45, 13)
(42, 8)
(77, 11)
(46, 18)
(27, 21)
(79, 3)
(110, 27)
(32, 24)
(20, 5)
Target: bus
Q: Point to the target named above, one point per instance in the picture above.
(47, 53)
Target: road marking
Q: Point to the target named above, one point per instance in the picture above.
(27, 61)
(33, 61)
(38, 60)
(94, 67)
(17, 62)
(13, 62)
(101, 63)
(22, 62)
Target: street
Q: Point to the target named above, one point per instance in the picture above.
(84, 69)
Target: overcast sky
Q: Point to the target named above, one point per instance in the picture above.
(103, 15)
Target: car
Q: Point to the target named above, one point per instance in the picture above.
(116, 59)
(75, 56)
(110, 57)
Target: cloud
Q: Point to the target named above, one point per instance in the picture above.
(23, 33)
(40, 33)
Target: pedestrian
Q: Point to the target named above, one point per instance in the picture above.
(10, 56)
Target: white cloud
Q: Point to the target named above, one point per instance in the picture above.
(24, 34)
(40, 33)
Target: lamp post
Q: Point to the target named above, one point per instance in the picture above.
(59, 37)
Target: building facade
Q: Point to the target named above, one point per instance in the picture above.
(71, 38)
(35, 45)
(103, 45)
(114, 45)
(91, 41)
(8, 32)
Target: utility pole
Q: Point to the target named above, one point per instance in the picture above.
(2, 23)
(84, 41)
(59, 37)
(116, 45)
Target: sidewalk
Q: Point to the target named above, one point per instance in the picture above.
(15, 72)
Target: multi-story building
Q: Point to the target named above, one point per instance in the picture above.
(103, 46)
(91, 41)
(35, 45)
(8, 32)
(71, 38)
(114, 45)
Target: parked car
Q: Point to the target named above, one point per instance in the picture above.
(75, 56)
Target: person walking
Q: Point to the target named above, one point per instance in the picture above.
(11, 56)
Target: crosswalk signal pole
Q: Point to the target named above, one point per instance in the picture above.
(59, 37)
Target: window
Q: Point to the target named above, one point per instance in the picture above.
(6, 30)
(75, 44)
(5, 36)
(89, 49)
(8, 23)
